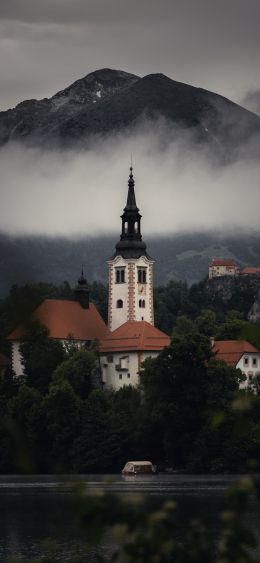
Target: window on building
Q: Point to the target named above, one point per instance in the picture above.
(126, 227)
(141, 303)
(120, 376)
(141, 275)
(246, 361)
(119, 304)
(128, 375)
(254, 362)
(123, 362)
(120, 275)
(136, 227)
(110, 359)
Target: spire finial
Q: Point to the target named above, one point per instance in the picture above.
(131, 181)
(131, 166)
(82, 280)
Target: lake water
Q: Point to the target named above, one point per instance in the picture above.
(38, 514)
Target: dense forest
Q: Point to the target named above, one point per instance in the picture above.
(185, 416)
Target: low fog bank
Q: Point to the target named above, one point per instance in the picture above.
(82, 193)
(178, 256)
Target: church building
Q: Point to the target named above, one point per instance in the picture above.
(69, 321)
(132, 337)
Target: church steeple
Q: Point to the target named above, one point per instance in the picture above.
(130, 295)
(131, 244)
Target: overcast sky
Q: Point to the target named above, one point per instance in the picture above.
(47, 44)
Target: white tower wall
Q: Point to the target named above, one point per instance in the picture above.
(135, 293)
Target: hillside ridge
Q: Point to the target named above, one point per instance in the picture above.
(107, 101)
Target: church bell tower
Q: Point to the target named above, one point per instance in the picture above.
(130, 270)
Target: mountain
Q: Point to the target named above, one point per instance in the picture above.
(107, 101)
(177, 257)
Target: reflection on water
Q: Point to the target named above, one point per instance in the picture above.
(36, 508)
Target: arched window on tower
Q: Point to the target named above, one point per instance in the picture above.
(126, 227)
(142, 303)
(136, 227)
(119, 304)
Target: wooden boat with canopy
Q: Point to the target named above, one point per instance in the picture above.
(138, 468)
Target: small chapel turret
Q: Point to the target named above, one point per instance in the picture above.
(130, 270)
(82, 291)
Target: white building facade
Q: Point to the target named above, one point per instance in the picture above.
(124, 350)
(249, 364)
(130, 291)
(123, 368)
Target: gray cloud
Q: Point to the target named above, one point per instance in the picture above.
(44, 46)
(234, 14)
(84, 193)
(252, 101)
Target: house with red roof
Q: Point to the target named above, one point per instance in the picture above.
(239, 354)
(220, 267)
(75, 321)
(123, 351)
(250, 271)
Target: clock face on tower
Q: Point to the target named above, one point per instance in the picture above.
(141, 289)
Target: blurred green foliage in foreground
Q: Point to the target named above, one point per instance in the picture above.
(145, 535)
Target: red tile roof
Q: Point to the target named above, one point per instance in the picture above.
(230, 351)
(248, 271)
(63, 318)
(219, 262)
(135, 335)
